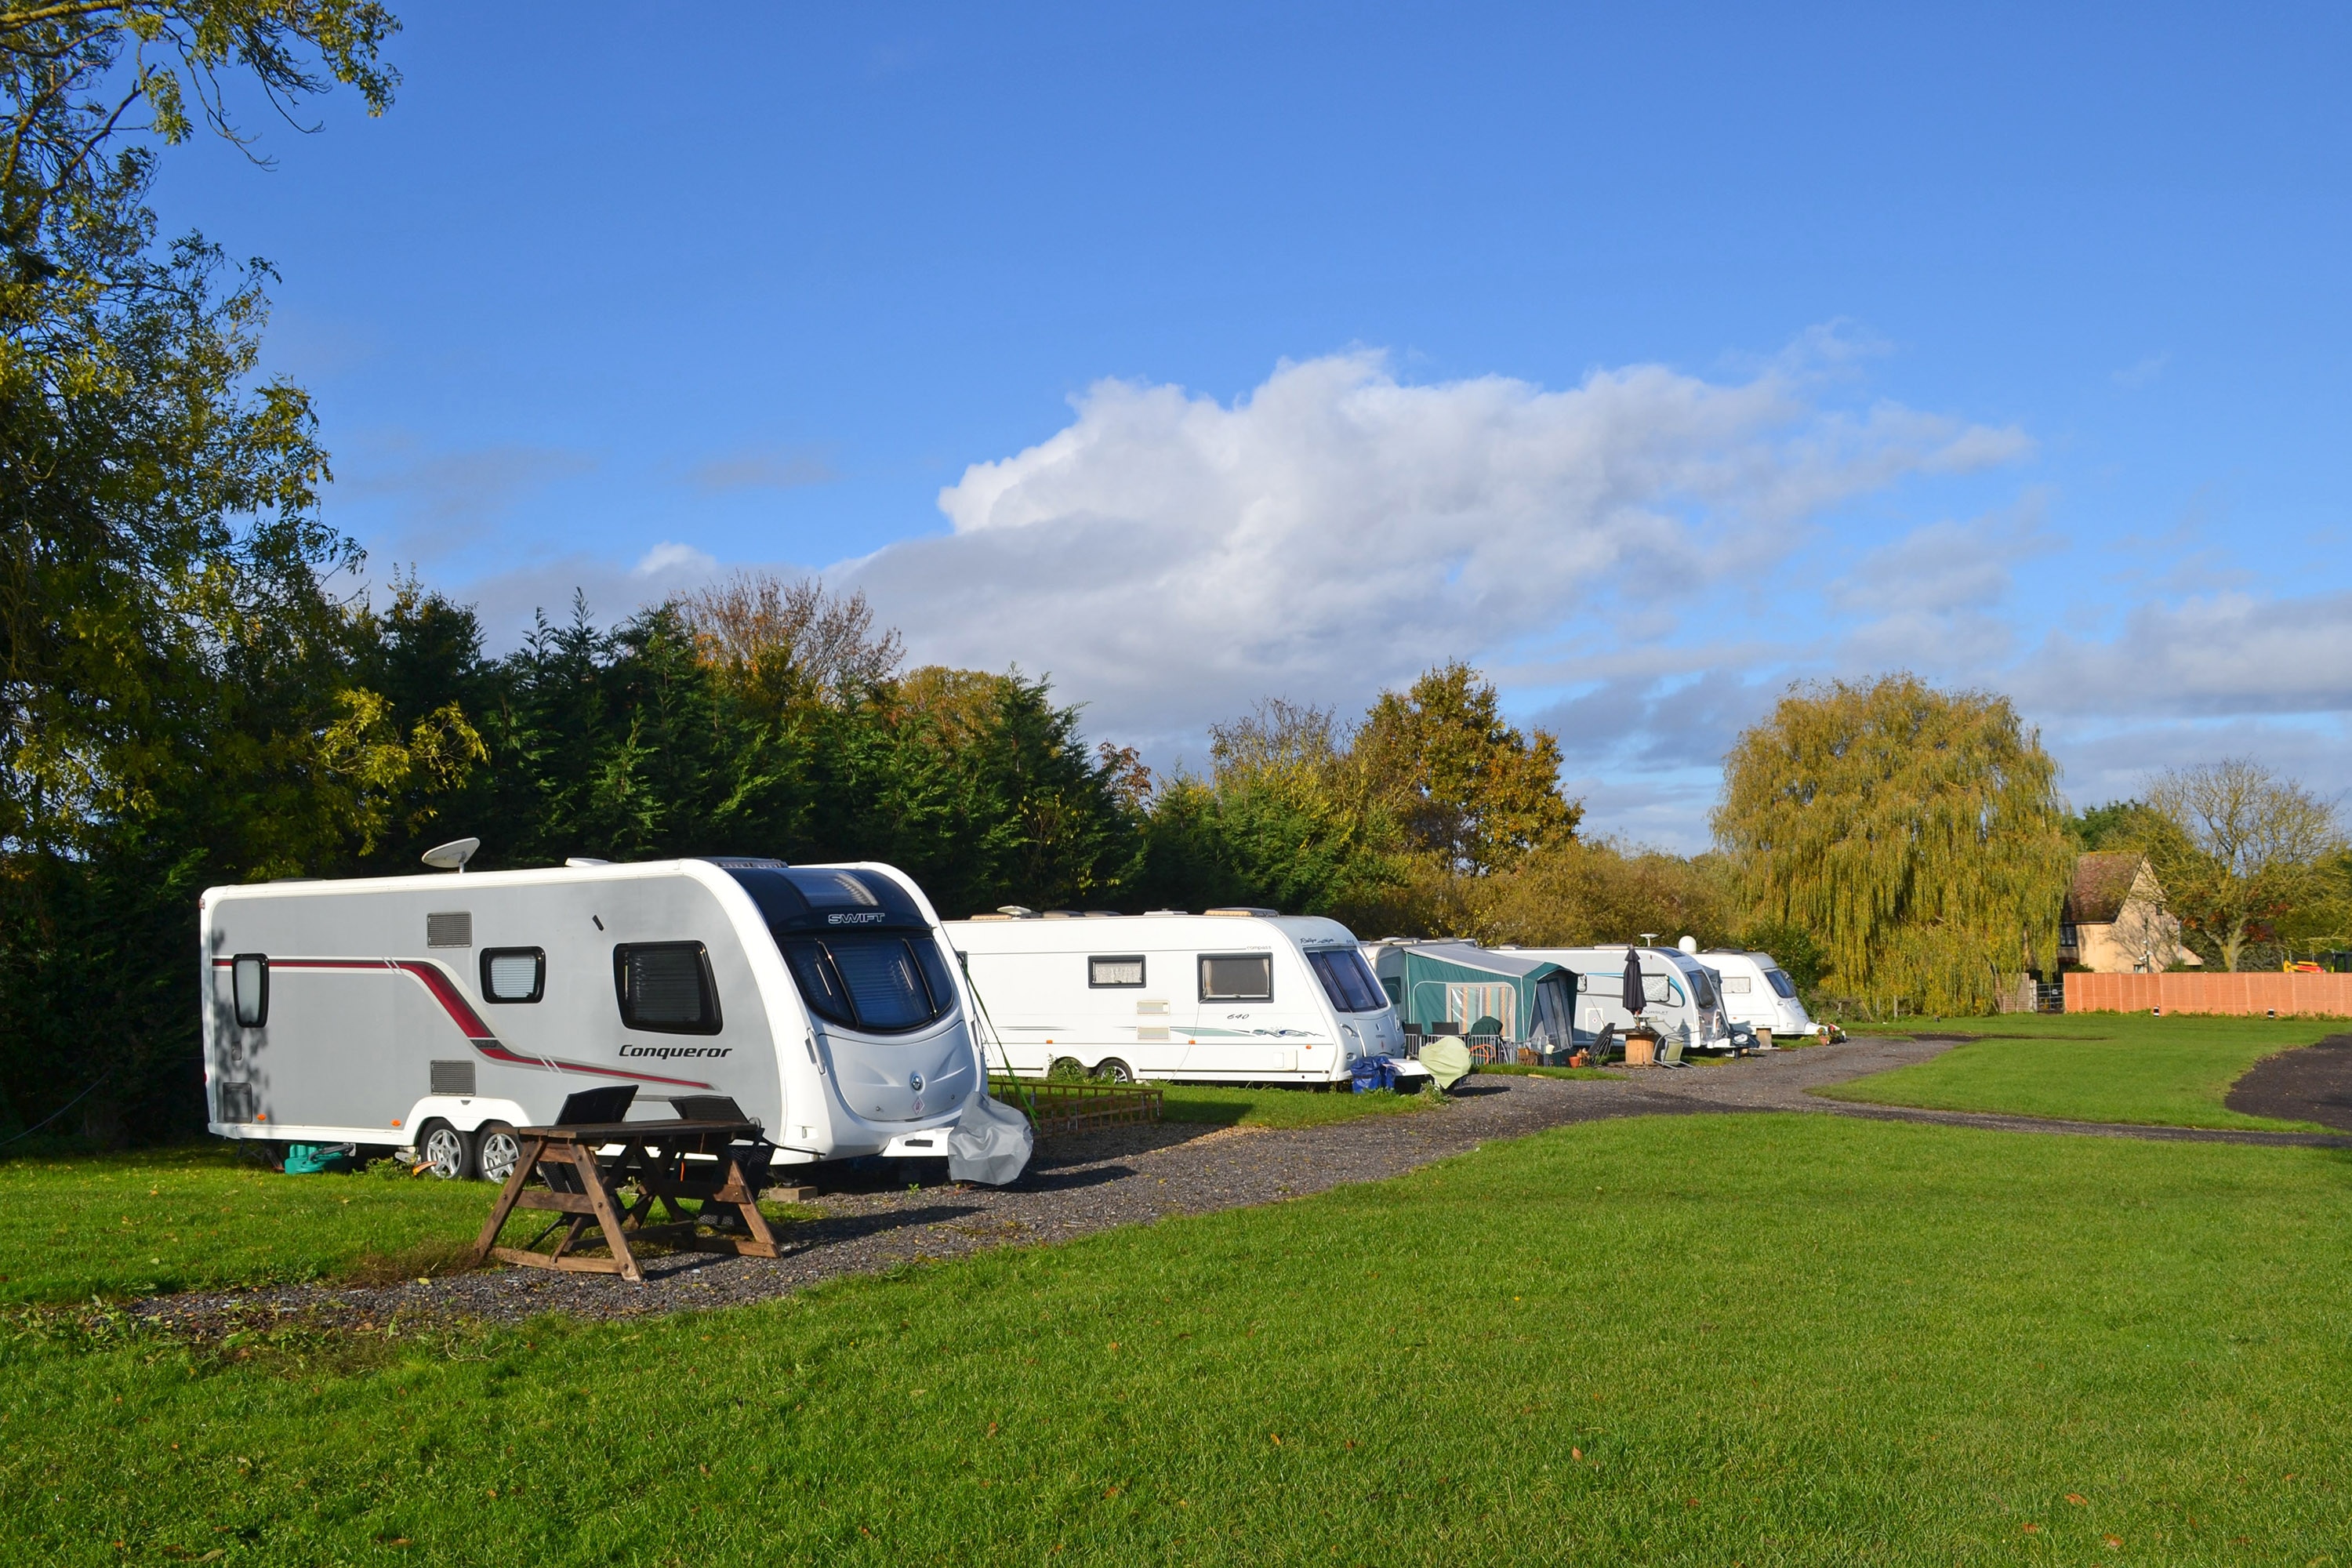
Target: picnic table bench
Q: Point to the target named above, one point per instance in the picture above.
(584, 1188)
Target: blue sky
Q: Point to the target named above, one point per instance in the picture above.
(1650, 358)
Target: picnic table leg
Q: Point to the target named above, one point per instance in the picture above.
(578, 1223)
(525, 1163)
(739, 1192)
(600, 1198)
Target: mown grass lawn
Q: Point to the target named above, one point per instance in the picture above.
(1699, 1340)
(73, 1227)
(199, 1217)
(1280, 1107)
(2094, 1067)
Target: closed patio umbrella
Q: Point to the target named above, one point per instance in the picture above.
(1634, 997)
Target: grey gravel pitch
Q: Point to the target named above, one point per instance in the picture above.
(1125, 1176)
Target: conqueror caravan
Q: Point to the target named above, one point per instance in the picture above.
(1238, 995)
(442, 1011)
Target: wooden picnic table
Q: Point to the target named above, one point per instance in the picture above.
(586, 1188)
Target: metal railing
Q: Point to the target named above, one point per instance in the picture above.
(1056, 1107)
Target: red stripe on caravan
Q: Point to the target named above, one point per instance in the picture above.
(442, 989)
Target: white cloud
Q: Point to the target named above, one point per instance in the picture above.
(2226, 655)
(670, 559)
(1169, 558)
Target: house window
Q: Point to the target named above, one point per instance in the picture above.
(249, 988)
(1237, 977)
(666, 987)
(1114, 974)
(514, 974)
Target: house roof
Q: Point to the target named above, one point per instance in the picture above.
(2101, 887)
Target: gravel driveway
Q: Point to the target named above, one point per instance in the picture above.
(1120, 1176)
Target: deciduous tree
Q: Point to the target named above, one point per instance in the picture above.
(1464, 784)
(2236, 848)
(1916, 833)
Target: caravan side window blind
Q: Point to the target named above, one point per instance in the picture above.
(1237, 977)
(1120, 972)
(249, 984)
(666, 987)
(514, 974)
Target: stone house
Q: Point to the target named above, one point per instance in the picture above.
(2115, 921)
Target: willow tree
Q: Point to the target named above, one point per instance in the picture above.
(1916, 834)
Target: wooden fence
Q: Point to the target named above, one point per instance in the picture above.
(2288, 995)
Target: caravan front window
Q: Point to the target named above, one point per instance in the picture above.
(879, 982)
(1347, 980)
(1780, 983)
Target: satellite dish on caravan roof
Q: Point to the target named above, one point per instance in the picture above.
(452, 856)
(1689, 944)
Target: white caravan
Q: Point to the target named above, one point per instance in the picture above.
(1236, 995)
(1681, 994)
(1758, 992)
(441, 1012)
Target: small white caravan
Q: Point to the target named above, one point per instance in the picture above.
(1758, 992)
(1238, 995)
(1680, 992)
(442, 1011)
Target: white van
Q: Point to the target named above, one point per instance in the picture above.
(442, 1011)
(1758, 992)
(1682, 998)
(1241, 995)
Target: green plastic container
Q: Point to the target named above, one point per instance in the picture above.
(313, 1159)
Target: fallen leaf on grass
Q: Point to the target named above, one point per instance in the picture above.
(2075, 1498)
(2032, 1529)
(2113, 1540)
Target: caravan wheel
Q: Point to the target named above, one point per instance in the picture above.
(496, 1150)
(1110, 1070)
(447, 1151)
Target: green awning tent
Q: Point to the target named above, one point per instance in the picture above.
(1452, 987)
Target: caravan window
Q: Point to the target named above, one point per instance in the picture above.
(1702, 988)
(514, 974)
(879, 982)
(249, 983)
(1347, 980)
(1780, 983)
(1114, 974)
(1237, 977)
(666, 987)
(1661, 991)
(1736, 985)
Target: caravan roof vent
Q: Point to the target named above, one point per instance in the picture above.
(1243, 911)
(581, 862)
(1016, 911)
(737, 862)
(1063, 915)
